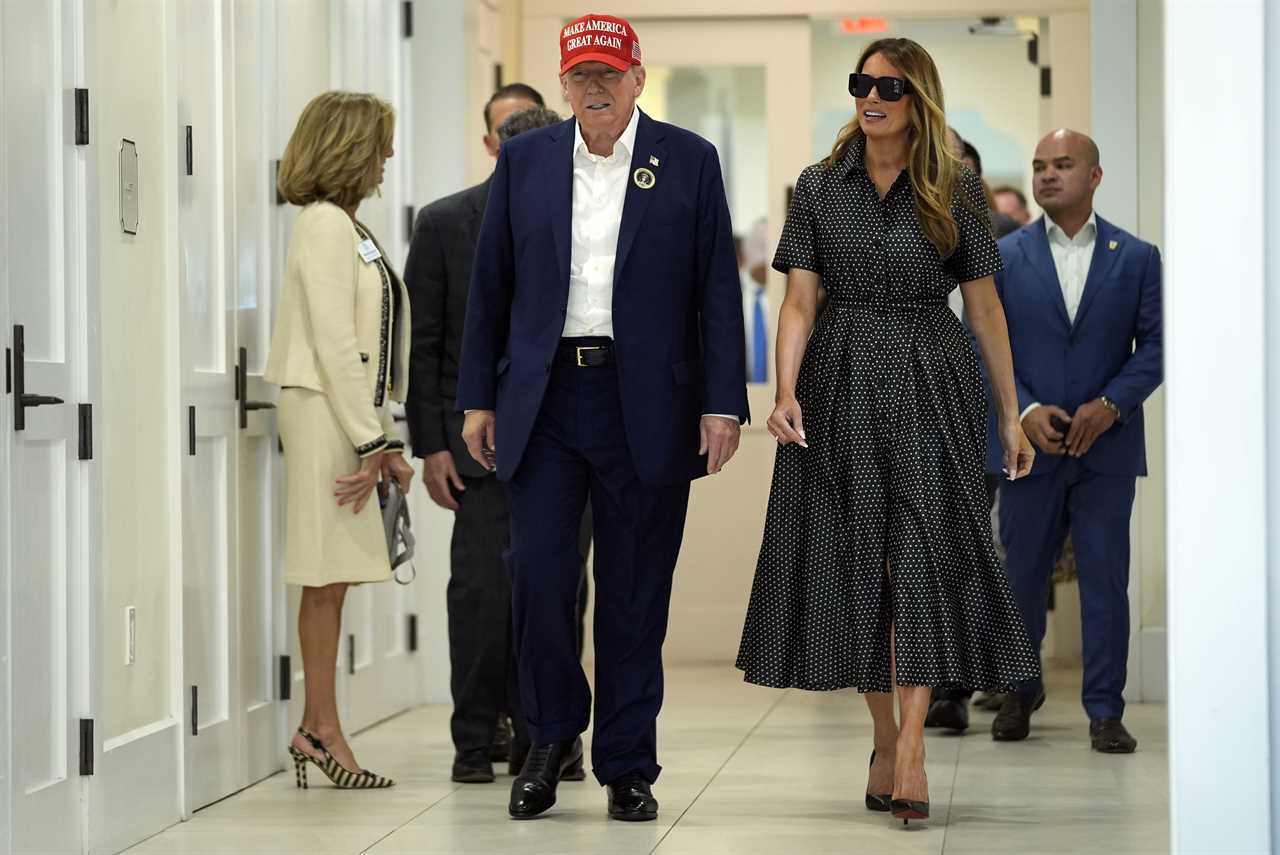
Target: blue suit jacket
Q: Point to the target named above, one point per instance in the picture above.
(677, 304)
(1114, 347)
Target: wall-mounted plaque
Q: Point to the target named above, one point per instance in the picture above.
(128, 187)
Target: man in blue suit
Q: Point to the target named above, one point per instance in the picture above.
(603, 359)
(1082, 299)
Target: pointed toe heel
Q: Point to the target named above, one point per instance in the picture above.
(878, 802)
(909, 809)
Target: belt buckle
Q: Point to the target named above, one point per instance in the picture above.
(582, 364)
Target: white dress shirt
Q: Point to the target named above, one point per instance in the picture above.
(1072, 257)
(599, 190)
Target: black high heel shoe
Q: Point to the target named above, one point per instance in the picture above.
(342, 777)
(909, 809)
(881, 803)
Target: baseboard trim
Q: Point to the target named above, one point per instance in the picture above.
(136, 788)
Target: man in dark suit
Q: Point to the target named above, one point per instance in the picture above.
(481, 650)
(603, 361)
(1082, 299)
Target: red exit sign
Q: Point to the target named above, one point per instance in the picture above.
(864, 25)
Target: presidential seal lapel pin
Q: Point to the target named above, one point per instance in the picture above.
(653, 161)
(1113, 245)
(645, 179)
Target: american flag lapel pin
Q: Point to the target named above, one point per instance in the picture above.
(654, 161)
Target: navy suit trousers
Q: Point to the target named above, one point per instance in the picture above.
(577, 453)
(1035, 515)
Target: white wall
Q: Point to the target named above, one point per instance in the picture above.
(1216, 346)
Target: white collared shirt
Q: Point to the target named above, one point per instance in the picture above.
(599, 191)
(1072, 256)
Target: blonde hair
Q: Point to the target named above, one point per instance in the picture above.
(932, 166)
(337, 149)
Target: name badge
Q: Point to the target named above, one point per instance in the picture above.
(368, 251)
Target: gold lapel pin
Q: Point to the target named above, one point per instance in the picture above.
(654, 161)
(1113, 245)
(645, 179)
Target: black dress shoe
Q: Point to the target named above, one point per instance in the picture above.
(949, 710)
(1013, 722)
(472, 767)
(577, 771)
(534, 789)
(631, 799)
(1109, 736)
(500, 750)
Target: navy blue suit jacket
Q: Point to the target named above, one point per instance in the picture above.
(677, 303)
(1114, 348)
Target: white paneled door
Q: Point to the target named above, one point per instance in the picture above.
(260, 496)
(210, 410)
(44, 291)
(375, 659)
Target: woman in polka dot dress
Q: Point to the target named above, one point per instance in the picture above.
(877, 568)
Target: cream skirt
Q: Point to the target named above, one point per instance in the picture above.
(324, 543)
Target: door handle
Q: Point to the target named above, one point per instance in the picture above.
(22, 400)
(242, 391)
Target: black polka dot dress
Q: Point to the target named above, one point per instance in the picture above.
(895, 420)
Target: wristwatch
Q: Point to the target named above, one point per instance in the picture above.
(1110, 405)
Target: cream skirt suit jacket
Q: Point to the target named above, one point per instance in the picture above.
(340, 353)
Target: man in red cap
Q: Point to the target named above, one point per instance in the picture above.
(604, 347)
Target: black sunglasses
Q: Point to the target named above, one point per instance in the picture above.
(891, 88)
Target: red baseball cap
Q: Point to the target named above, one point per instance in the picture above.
(599, 38)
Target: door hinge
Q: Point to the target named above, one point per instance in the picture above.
(351, 654)
(191, 431)
(498, 82)
(191, 160)
(82, 117)
(1046, 82)
(195, 710)
(413, 633)
(408, 19)
(286, 678)
(86, 746)
(408, 223)
(86, 431)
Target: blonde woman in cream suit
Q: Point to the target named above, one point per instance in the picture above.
(340, 353)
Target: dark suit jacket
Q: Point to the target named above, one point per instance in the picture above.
(1114, 348)
(677, 303)
(438, 276)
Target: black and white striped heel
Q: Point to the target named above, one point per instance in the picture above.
(342, 777)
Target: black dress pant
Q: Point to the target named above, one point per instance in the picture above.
(481, 652)
(578, 453)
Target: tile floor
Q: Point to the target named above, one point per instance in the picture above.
(749, 771)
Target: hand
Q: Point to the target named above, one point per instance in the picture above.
(719, 441)
(1018, 453)
(479, 432)
(1091, 421)
(439, 473)
(395, 466)
(1041, 432)
(787, 423)
(356, 489)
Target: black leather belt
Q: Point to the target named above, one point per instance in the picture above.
(591, 352)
